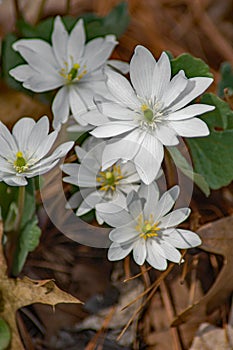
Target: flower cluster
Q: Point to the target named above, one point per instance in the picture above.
(130, 123)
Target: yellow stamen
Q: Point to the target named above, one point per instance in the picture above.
(147, 228)
(110, 178)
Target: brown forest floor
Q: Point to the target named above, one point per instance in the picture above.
(203, 28)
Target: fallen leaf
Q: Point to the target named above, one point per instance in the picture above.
(216, 238)
(214, 338)
(16, 293)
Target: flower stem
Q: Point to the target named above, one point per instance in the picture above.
(21, 198)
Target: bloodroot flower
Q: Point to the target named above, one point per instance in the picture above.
(147, 228)
(96, 186)
(23, 153)
(150, 113)
(69, 64)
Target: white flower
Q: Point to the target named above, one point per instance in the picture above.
(22, 153)
(150, 114)
(69, 64)
(98, 186)
(147, 229)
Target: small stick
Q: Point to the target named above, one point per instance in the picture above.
(170, 313)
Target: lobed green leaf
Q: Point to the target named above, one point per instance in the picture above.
(212, 155)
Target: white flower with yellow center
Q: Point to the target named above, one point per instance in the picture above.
(151, 113)
(96, 186)
(69, 64)
(147, 228)
(23, 153)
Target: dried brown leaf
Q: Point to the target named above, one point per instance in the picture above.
(16, 293)
(216, 238)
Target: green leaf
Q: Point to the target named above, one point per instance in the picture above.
(115, 22)
(226, 81)
(192, 66)
(29, 203)
(5, 335)
(11, 217)
(10, 59)
(187, 170)
(28, 241)
(212, 155)
(8, 195)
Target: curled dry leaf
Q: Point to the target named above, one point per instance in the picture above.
(216, 238)
(16, 293)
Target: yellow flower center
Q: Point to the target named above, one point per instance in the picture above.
(147, 228)
(20, 163)
(74, 73)
(109, 178)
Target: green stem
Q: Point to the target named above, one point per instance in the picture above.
(21, 199)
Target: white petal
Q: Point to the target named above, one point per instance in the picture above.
(121, 66)
(98, 57)
(118, 252)
(178, 84)
(161, 76)
(57, 154)
(155, 255)
(149, 158)
(77, 104)
(123, 234)
(141, 71)
(15, 180)
(41, 81)
(22, 130)
(38, 46)
(166, 135)
(60, 107)
(38, 62)
(151, 194)
(70, 169)
(200, 85)
(38, 134)
(166, 202)
(194, 127)
(6, 135)
(116, 111)
(60, 41)
(76, 41)
(174, 218)
(114, 215)
(113, 129)
(86, 176)
(83, 208)
(190, 112)
(74, 201)
(126, 148)
(121, 89)
(6, 167)
(182, 239)
(134, 204)
(22, 73)
(170, 253)
(45, 146)
(140, 251)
